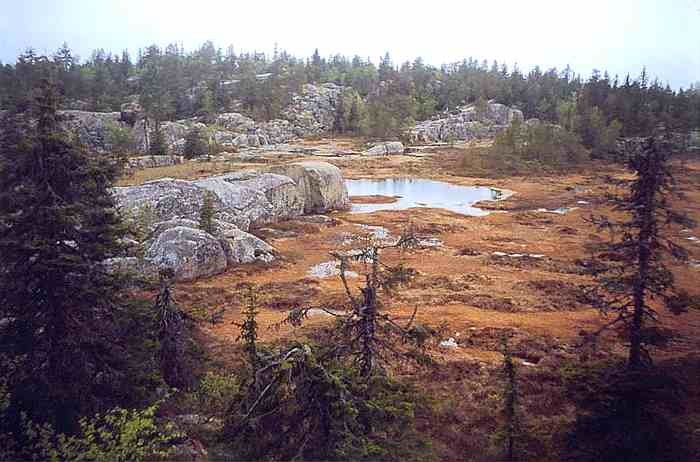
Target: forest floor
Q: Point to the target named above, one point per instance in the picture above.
(517, 271)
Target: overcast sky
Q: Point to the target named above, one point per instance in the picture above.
(618, 35)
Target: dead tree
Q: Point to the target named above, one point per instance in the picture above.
(171, 334)
(366, 334)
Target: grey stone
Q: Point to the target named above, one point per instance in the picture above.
(190, 253)
(392, 147)
(465, 124)
(241, 247)
(153, 161)
(320, 183)
(163, 200)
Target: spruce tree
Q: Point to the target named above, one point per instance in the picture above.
(58, 222)
(158, 146)
(195, 144)
(622, 410)
(631, 268)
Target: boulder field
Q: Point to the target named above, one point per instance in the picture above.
(167, 213)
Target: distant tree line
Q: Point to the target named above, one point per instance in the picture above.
(172, 84)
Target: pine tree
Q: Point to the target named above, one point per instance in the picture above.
(249, 329)
(157, 147)
(58, 223)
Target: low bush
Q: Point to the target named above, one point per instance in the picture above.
(525, 149)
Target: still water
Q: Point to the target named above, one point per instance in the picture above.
(416, 192)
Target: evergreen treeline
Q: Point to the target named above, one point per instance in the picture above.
(175, 84)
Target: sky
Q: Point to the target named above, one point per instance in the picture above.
(621, 36)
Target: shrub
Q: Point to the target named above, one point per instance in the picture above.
(522, 149)
(300, 407)
(214, 395)
(118, 435)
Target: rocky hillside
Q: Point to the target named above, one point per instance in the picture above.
(167, 212)
(312, 112)
(467, 123)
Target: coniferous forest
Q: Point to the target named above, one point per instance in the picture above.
(177, 84)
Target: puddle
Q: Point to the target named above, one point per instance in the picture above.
(559, 211)
(415, 192)
(517, 255)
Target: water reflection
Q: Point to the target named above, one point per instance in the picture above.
(415, 192)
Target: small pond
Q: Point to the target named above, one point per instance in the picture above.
(416, 192)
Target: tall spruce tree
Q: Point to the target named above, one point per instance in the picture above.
(58, 223)
(630, 268)
(623, 411)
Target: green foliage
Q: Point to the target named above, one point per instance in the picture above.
(174, 84)
(171, 334)
(205, 105)
(118, 435)
(598, 135)
(139, 221)
(214, 395)
(299, 407)
(57, 224)
(249, 329)
(121, 139)
(526, 148)
(157, 145)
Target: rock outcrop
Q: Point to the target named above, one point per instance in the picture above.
(162, 200)
(256, 197)
(312, 111)
(91, 128)
(168, 212)
(465, 124)
(153, 161)
(241, 247)
(320, 183)
(190, 253)
(383, 149)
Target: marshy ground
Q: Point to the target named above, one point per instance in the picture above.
(518, 272)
